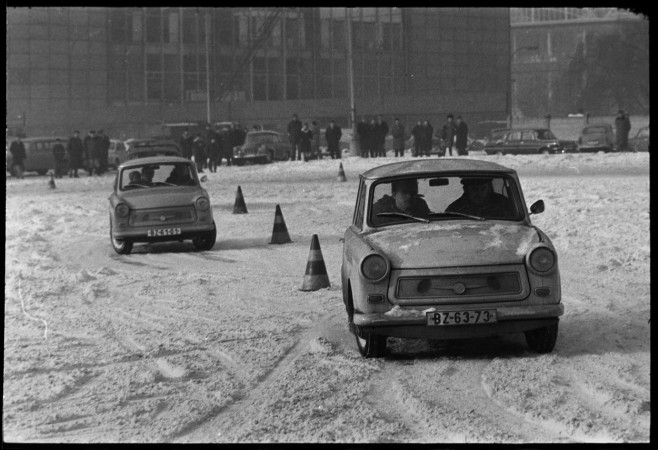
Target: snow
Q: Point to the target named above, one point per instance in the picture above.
(172, 345)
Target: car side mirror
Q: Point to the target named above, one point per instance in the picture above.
(203, 179)
(537, 207)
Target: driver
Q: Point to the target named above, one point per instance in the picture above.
(404, 199)
(135, 177)
(147, 175)
(479, 199)
(179, 175)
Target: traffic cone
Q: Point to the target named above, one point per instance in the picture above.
(280, 231)
(316, 272)
(341, 173)
(51, 183)
(239, 207)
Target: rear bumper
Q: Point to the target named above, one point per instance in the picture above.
(510, 320)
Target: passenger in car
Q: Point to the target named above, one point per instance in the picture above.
(404, 199)
(479, 199)
(179, 175)
(135, 177)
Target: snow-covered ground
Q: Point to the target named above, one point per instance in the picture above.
(172, 345)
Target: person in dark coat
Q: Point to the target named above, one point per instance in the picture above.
(461, 136)
(91, 134)
(333, 134)
(209, 141)
(381, 130)
(186, 143)
(199, 152)
(93, 149)
(397, 131)
(372, 138)
(363, 136)
(103, 150)
(427, 131)
(225, 146)
(17, 150)
(315, 141)
(215, 155)
(417, 133)
(59, 153)
(305, 138)
(76, 153)
(448, 134)
(622, 129)
(294, 134)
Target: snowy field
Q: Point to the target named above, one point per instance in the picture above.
(172, 345)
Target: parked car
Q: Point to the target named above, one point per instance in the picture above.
(262, 147)
(171, 206)
(597, 137)
(117, 153)
(640, 142)
(144, 148)
(448, 275)
(525, 142)
(39, 154)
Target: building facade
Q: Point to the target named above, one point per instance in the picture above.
(130, 70)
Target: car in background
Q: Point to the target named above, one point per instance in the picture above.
(144, 148)
(39, 153)
(448, 275)
(117, 154)
(640, 142)
(597, 138)
(262, 147)
(528, 141)
(156, 199)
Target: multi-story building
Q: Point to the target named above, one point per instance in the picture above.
(129, 70)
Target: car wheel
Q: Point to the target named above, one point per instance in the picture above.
(206, 241)
(121, 246)
(370, 345)
(542, 340)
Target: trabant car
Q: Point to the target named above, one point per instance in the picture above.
(143, 148)
(117, 153)
(159, 199)
(597, 138)
(529, 141)
(262, 147)
(640, 142)
(451, 271)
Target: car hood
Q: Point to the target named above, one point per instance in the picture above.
(450, 244)
(161, 197)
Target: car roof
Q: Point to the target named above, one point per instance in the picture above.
(596, 125)
(252, 133)
(44, 138)
(155, 160)
(433, 166)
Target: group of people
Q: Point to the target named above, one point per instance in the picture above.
(305, 140)
(453, 135)
(92, 149)
(209, 149)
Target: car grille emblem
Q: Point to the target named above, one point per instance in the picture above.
(459, 288)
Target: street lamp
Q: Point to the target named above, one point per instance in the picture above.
(510, 105)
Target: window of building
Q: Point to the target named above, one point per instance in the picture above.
(119, 30)
(292, 87)
(223, 26)
(154, 87)
(260, 88)
(172, 87)
(135, 86)
(275, 87)
(137, 26)
(153, 28)
(338, 36)
(171, 31)
(292, 32)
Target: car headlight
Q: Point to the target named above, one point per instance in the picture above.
(374, 267)
(542, 260)
(202, 203)
(122, 210)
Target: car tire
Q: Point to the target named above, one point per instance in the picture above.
(206, 240)
(370, 345)
(121, 246)
(542, 340)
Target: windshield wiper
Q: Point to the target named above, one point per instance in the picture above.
(449, 213)
(389, 214)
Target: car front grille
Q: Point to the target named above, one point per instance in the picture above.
(162, 216)
(460, 286)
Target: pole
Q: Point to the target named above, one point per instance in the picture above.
(207, 27)
(510, 87)
(354, 143)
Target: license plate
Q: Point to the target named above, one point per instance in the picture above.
(461, 317)
(163, 232)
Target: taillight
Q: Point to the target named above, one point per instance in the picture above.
(122, 210)
(542, 260)
(374, 267)
(202, 203)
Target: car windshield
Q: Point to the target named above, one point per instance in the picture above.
(545, 134)
(256, 139)
(436, 198)
(149, 176)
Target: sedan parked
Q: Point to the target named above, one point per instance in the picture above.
(445, 249)
(597, 138)
(262, 147)
(530, 141)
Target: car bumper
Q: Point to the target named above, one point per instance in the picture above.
(511, 319)
(141, 235)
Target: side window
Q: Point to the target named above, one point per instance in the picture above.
(514, 136)
(528, 136)
(360, 204)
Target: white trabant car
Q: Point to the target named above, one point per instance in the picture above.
(159, 199)
(445, 249)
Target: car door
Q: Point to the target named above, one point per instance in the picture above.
(512, 143)
(528, 144)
